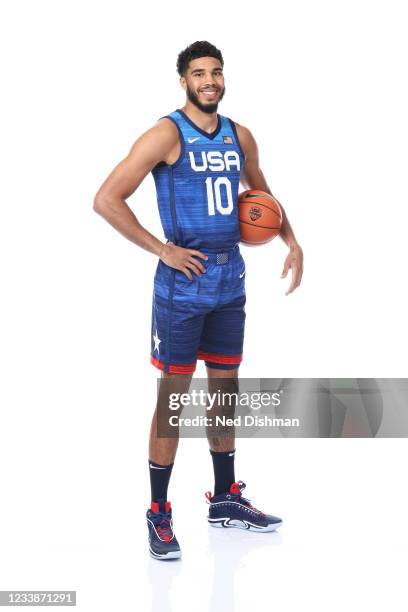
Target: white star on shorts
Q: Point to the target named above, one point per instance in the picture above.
(156, 342)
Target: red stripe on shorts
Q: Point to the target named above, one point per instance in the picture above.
(178, 368)
(220, 358)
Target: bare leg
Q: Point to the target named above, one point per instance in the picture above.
(163, 450)
(222, 439)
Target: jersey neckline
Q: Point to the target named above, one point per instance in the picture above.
(198, 129)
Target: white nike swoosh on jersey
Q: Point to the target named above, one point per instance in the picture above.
(155, 467)
(230, 454)
(193, 139)
(241, 275)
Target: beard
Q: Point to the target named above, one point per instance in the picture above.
(206, 108)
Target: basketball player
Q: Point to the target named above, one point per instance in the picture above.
(197, 158)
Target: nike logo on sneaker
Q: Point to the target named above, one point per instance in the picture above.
(190, 140)
(241, 275)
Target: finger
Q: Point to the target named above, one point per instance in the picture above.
(193, 267)
(285, 269)
(198, 254)
(294, 283)
(187, 273)
(198, 264)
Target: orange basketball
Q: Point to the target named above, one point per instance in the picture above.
(260, 217)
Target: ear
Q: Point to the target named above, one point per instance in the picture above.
(183, 83)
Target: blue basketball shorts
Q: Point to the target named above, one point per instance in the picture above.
(203, 318)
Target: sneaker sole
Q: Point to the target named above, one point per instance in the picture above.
(174, 554)
(227, 523)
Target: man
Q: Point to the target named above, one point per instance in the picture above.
(197, 158)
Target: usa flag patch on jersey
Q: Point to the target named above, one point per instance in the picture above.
(228, 140)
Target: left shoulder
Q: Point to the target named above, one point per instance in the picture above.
(246, 139)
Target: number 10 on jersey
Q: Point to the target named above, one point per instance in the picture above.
(214, 197)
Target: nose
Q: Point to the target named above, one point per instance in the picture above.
(210, 80)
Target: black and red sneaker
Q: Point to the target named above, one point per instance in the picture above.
(230, 509)
(162, 541)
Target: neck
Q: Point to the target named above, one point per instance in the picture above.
(206, 121)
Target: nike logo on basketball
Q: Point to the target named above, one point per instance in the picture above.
(190, 140)
(241, 275)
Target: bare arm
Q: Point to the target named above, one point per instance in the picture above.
(110, 201)
(253, 178)
(160, 143)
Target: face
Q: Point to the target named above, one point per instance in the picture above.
(203, 83)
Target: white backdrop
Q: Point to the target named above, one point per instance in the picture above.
(322, 86)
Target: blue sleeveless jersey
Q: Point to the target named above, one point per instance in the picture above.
(197, 195)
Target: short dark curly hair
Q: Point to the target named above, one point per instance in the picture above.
(200, 48)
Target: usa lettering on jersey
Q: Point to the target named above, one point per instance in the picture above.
(215, 161)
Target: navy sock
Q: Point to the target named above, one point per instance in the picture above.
(159, 479)
(224, 473)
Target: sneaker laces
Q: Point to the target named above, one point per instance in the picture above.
(245, 501)
(163, 527)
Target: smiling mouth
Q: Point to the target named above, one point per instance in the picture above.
(209, 92)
